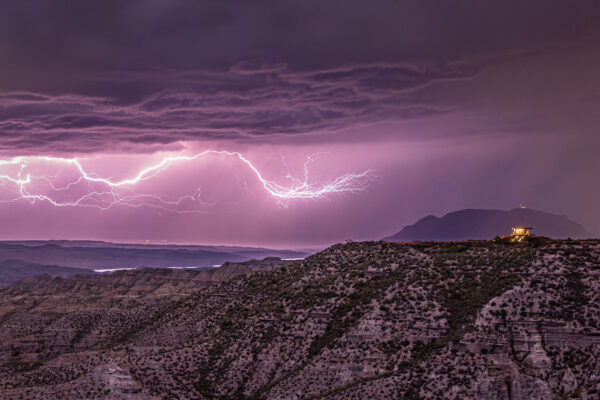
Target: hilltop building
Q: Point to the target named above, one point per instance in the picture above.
(520, 233)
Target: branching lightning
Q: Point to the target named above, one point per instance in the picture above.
(88, 189)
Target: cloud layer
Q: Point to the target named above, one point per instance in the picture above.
(250, 101)
(113, 76)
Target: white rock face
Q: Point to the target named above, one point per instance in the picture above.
(118, 382)
(526, 388)
(569, 381)
(537, 357)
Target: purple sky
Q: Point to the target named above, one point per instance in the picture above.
(428, 106)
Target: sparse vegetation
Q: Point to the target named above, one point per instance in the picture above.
(358, 320)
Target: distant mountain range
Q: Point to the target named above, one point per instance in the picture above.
(21, 259)
(105, 255)
(487, 224)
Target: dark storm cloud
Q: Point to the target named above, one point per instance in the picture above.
(116, 73)
(249, 100)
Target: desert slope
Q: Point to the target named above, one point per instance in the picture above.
(372, 320)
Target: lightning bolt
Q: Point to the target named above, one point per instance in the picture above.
(104, 193)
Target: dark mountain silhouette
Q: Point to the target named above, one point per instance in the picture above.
(487, 224)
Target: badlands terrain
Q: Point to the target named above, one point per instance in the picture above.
(372, 320)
